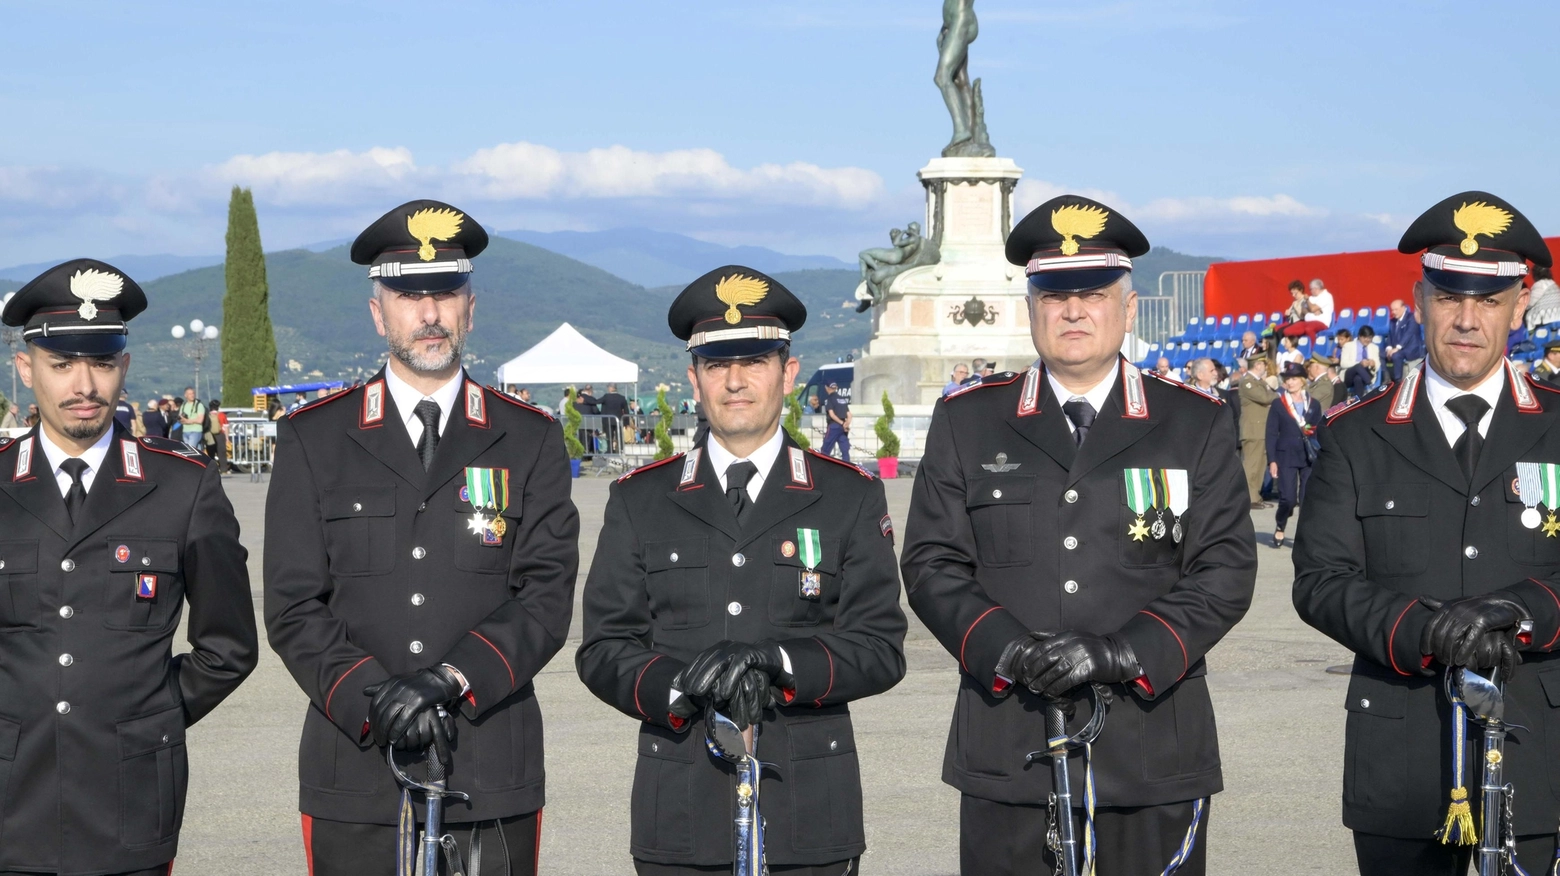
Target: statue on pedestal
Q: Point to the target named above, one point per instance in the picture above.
(880, 265)
(953, 80)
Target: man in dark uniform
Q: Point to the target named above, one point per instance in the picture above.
(749, 577)
(1081, 522)
(836, 407)
(1422, 546)
(103, 538)
(421, 549)
(1547, 369)
(1292, 421)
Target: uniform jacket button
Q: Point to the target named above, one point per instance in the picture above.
(1471, 552)
(1071, 586)
(2, 564)
(734, 609)
(1474, 501)
(62, 707)
(1391, 504)
(357, 506)
(996, 494)
(416, 647)
(146, 561)
(1071, 496)
(423, 507)
(1069, 542)
(418, 553)
(738, 560)
(418, 599)
(67, 612)
(674, 556)
(66, 660)
(1364, 704)
(68, 565)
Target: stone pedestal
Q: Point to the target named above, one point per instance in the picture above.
(971, 303)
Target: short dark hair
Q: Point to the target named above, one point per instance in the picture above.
(1296, 284)
(1367, 332)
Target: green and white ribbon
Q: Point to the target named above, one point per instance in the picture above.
(1539, 482)
(811, 546)
(488, 488)
(1140, 489)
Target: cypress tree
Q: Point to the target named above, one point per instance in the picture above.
(248, 342)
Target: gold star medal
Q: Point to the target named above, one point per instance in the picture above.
(1140, 498)
(1551, 526)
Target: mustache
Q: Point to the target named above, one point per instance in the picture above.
(431, 332)
(94, 398)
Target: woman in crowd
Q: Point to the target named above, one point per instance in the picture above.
(1291, 444)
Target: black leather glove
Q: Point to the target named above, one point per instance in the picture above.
(752, 696)
(697, 680)
(398, 702)
(1020, 660)
(1070, 659)
(429, 729)
(764, 657)
(1455, 631)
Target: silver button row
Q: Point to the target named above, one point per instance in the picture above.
(1070, 543)
(737, 560)
(62, 707)
(418, 553)
(1471, 552)
(1071, 496)
(1070, 586)
(68, 565)
(418, 599)
(67, 612)
(416, 647)
(66, 660)
(734, 609)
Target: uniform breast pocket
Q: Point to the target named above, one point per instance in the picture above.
(794, 602)
(475, 552)
(1147, 539)
(19, 579)
(999, 508)
(1395, 518)
(144, 584)
(679, 582)
(360, 528)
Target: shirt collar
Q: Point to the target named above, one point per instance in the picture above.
(93, 456)
(1096, 397)
(764, 457)
(1439, 391)
(406, 398)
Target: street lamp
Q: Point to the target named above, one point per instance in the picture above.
(200, 333)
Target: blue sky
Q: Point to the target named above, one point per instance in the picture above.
(1235, 129)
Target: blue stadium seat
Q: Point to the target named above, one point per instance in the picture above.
(1380, 321)
(1152, 359)
(1226, 329)
(1324, 344)
(1345, 319)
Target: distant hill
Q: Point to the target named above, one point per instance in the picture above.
(1147, 268)
(141, 268)
(319, 305)
(661, 258)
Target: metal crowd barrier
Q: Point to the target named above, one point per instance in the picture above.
(252, 446)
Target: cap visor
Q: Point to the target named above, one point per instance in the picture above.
(96, 344)
(426, 284)
(744, 348)
(1468, 284)
(1075, 281)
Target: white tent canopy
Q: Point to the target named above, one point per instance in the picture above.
(566, 356)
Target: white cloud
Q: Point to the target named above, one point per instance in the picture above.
(299, 178)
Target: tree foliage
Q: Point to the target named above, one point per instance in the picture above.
(793, 418)
(571, 427)
(248, 341)
(888, 442)
(663, 425)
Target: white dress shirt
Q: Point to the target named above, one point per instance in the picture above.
(93, 457)
(1323, 300)
(764, 457)
(1438, 392)
(1095, 397)
(406, 399)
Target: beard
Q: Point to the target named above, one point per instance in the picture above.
(404, 348)
(81, 430)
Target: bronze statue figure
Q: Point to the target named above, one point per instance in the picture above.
(880, 265)
(953, 80)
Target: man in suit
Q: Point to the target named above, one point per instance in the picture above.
(1056, 520)
(103, 540)
(1255, 399)
(614, 405)
(1291, 421)
(1405, 341)
(153, 420)
(420, 556)
(1429, 540)
(1322, 383)
(750, 578)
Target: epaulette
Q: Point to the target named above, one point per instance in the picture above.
(1542, 384)
(504, 396)
(850, 465)
(321, 402)
(1343, 408)
(649, 465)
(1002, 379)
(1184, 387)
(175, 448)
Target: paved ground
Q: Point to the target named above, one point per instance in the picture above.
(1280, 723)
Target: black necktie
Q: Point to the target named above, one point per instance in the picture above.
(1082, 415)
(1470, 409)
(737, 476)
(427, 410)
(76, 496)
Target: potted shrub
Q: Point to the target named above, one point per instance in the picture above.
(663, 425)
(571, 433)
(888, 442)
